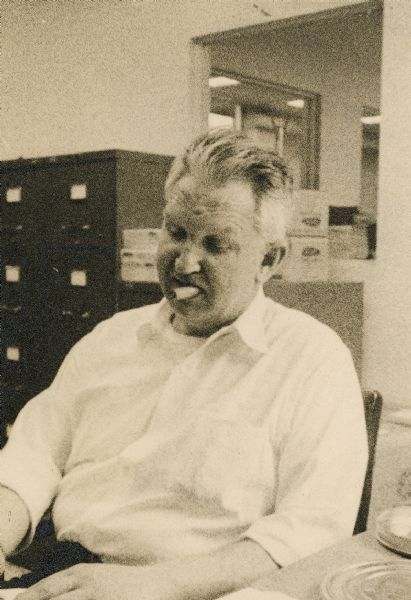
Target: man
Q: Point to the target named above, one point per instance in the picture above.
(198, 444)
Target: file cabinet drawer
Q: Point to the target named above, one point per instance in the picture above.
(13, 396)
(21, 321)
(22, 202)
(82, 205)
(18, 358)
(84, 281)
(21, 278)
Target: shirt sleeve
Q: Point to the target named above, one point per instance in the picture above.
(322, 464)
(32, 461)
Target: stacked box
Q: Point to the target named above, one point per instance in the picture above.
(307, 259)
(137, 265)
(310, 214)
(308, 254)
(348, 242)
(145, 240)
(138, 255)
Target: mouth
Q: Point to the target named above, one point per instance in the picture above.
(185, 290)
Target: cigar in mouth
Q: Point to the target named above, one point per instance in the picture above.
(186, 292)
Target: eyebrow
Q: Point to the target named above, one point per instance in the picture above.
(227, 231)
(225, 237)
(167, 217)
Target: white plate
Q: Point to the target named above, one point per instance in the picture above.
(394, 548)
(379, 580)
(393, 529)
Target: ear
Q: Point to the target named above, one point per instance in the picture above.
(272, 260)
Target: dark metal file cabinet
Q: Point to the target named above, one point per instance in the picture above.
(61, 221)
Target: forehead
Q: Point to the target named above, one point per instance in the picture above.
(195, 196)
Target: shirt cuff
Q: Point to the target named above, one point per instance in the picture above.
(35, 486)
(286, 538)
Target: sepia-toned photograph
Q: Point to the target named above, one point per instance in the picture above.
(205, 333)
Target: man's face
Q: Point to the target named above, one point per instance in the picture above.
(210, 255)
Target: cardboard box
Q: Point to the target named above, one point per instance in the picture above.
(310, 214)
(348, 242)
(307, 259)
(144, 240)
(138, 266)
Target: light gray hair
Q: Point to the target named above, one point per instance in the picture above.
(224, 155)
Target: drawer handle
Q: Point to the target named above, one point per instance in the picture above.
(12, 228)
(69, 313)
(11, 309)
(73, 229)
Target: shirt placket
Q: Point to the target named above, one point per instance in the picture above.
(179, 393)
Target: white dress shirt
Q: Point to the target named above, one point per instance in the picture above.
(155, 445)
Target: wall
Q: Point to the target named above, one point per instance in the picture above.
(339, 59)
(388, 341)
(387, 280)
(110, 73)
(91, 75)
(369, 181)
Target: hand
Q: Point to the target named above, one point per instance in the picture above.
(197, 577)
(103, 582)
(3, 560)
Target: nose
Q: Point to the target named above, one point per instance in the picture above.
(188, 260)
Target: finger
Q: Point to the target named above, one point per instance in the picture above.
(75, 594)
(50, 587)
(2, 561)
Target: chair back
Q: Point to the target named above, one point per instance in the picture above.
(372, 410)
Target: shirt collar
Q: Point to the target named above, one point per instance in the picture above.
(249, 325)
(156, 322)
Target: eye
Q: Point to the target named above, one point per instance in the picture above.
(214, 245)
(178, 234)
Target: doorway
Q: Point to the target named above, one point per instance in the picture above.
(329, 64)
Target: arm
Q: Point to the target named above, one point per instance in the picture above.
(198, 577)
(209, 575)
(322, 463)
(32, 461)
(14, 523)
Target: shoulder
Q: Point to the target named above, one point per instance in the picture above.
(300, 333)
(127, 321)
(119, 331)
(314, 363)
